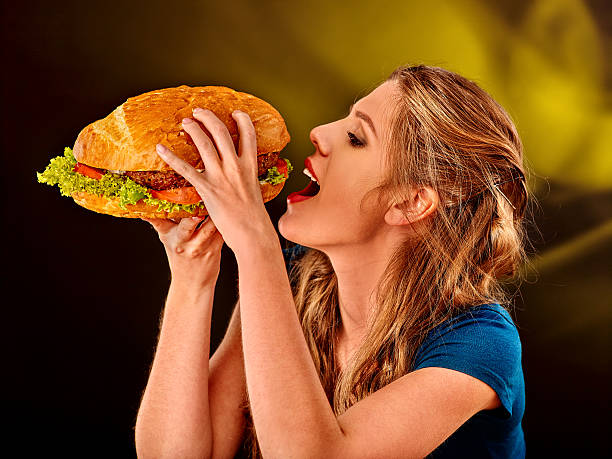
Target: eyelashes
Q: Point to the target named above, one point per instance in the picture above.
(354, 141)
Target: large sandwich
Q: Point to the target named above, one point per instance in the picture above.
(114, 168)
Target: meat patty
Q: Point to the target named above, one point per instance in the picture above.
(158, 180)
(164, 180)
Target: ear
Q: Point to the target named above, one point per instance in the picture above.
(418, 204)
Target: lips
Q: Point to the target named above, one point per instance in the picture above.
(311, 189)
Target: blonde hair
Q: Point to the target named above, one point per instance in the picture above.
(449, 134)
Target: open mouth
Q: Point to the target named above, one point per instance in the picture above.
(311, 190)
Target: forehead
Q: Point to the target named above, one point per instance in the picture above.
(377, 103)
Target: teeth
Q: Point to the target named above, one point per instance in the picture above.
(307, 172)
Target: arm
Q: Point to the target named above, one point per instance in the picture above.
(174, 417)
(189, 404)
(291, 412)
(227, 391)
(293, 418)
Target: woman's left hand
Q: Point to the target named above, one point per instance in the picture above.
(229, 185)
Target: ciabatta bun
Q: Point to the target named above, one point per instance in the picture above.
(125, 140)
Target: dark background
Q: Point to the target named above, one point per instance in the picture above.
(83, 292)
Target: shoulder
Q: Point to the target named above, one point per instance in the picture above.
(481, 325)
(483, 342)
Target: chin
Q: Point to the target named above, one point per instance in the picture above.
(292, 230)
(284, 228)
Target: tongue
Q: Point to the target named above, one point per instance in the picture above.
(311, 190)
(294, 197)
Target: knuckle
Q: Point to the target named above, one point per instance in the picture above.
(250, 135)
(234, 166)
(184, 169)
(202, 141)
(218, 129)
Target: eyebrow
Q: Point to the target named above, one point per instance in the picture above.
(364, 117)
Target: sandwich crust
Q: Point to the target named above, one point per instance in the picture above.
(110, 206)
(125, 140)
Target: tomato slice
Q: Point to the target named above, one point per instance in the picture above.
(87, 171)
(281, 165)
(183, 195)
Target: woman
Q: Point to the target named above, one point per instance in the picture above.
(391, 339)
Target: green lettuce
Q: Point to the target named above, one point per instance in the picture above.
(60, 172)
(274, 176)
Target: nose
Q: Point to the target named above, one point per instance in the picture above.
(318, 141)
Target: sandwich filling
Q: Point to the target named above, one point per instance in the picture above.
(166, 189)
(164, 180)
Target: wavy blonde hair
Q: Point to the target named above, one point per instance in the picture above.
(449, 134)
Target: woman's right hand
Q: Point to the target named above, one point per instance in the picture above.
(193, 249)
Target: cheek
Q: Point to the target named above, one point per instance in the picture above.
(334, 216)
(346, 191)
(350, 186)
(348, 210)
(358, 196)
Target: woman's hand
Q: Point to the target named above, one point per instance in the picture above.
(229, 185)
(193, 247)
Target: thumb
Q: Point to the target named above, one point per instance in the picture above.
(161, 225)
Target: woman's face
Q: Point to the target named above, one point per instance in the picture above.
(348, 162)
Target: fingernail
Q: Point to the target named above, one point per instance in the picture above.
(237, 111)
(198, 110)
(187, 121)
(160, 148)
(195, 219)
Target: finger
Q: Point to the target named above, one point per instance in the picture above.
(217, 240)
(208, 232)
(186, 227)
(219, 132)
(205, 226)
(247, 147)
(161, 225)
(204, 220)
(179, 165)
(203, 143)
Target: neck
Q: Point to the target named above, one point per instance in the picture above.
(358, 269)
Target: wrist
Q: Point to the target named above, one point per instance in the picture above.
(193, 279)
(262, 247)
(199, 272)
(187, 291)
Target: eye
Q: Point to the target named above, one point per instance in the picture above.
(354, 141)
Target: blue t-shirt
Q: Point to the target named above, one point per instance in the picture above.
(482, 342)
